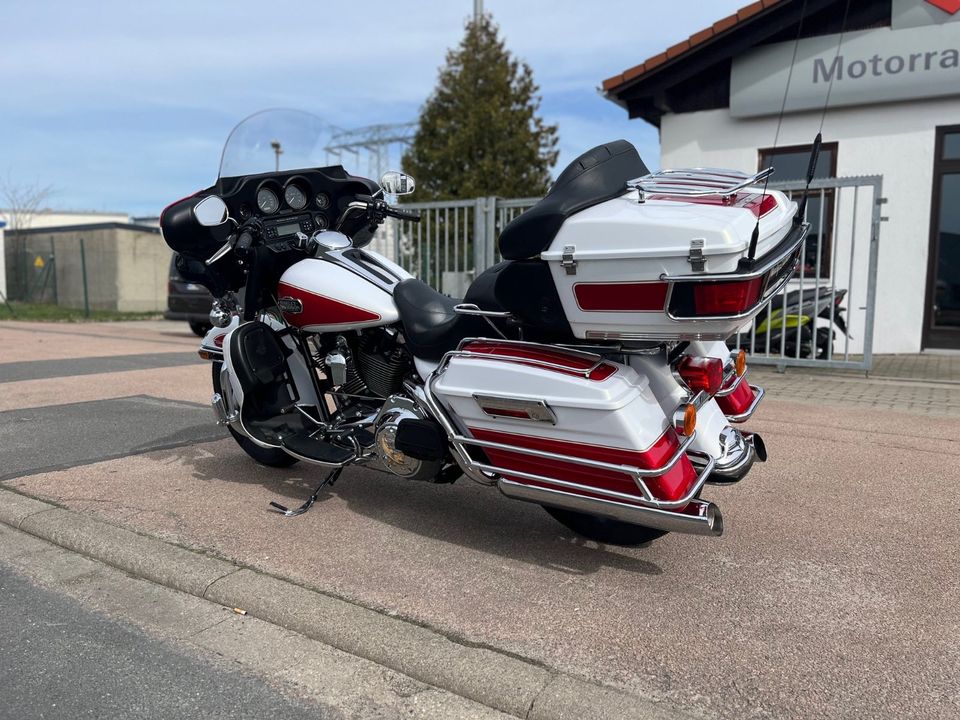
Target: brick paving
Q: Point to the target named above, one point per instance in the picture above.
(925, 384)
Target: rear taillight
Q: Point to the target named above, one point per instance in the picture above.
(701, 373)
(726, 298)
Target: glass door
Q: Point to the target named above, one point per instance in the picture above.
(942, 326)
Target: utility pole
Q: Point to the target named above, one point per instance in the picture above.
(477, 10)
(278, 151)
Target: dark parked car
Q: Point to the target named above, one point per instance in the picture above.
(188, 301)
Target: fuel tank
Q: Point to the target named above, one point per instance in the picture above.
(319, 296)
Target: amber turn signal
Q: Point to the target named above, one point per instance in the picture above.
(685, 419)
(740, 363)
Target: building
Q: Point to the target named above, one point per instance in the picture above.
(106, 261)
(888, 72)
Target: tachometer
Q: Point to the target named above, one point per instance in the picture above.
(267, 201)
(295, 197)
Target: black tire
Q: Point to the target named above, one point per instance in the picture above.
(200, 328)
(272, 457)
(604, 530)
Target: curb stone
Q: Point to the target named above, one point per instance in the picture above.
(521, 688)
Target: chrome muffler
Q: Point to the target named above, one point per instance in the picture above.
(701, 517)
(741, 450)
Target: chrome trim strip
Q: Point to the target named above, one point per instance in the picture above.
(707, 521)
(745, 415)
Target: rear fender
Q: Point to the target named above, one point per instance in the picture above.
(669, 394)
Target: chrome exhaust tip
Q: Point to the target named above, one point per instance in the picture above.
(699, 517)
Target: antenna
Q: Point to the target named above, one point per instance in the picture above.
(755, 237)
(818, 141)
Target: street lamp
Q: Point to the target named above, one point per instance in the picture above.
(278, 151)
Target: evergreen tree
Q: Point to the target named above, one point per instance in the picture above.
(479, 132)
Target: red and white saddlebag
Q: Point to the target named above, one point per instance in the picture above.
(565, 420)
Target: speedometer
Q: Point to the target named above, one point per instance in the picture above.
(295, 197)
(267, 201)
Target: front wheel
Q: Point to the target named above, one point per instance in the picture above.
(604, 530)
(272, 457)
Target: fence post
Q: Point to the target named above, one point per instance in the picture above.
(83, 269)
(490, 242)
(479, 235)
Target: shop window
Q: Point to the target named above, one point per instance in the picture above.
(791, 164)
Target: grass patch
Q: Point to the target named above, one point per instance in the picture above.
(41, 312)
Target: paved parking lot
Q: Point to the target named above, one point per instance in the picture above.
(833, 592)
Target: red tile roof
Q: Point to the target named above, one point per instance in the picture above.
(721, 26)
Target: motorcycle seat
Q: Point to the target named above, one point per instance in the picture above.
(430, 325)
(598, 175)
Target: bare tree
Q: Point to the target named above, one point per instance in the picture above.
(19, 204)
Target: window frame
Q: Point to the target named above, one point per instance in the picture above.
(764, 156)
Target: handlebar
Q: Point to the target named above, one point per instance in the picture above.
(411, 215)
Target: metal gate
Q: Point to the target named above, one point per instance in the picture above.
(457, 239)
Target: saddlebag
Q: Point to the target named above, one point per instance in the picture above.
(567, 420)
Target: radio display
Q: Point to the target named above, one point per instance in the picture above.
(288, 229)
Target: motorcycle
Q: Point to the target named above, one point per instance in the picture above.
(587, 372)
(809, 319)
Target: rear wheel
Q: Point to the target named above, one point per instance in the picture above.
(272, 457)
(604, 530)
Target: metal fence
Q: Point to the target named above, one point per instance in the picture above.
(457, 239)
(837, 276)
(453, 242)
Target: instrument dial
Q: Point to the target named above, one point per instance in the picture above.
(323, 201)
(267, 201)
(295, 197)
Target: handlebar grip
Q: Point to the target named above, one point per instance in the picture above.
(245, 240)
(411, 215)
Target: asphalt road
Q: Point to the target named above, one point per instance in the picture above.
(833, 593)
(60, 660)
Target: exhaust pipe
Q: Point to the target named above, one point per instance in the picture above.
(700, 517)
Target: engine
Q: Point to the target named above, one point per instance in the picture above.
(377, 366)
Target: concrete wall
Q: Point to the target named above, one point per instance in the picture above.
(127, 266)
(143, 268)
(63, 218)
(892, 140)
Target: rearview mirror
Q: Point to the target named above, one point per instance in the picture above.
(397, 183)
(211, 211)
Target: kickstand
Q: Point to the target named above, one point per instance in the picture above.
(328, 480)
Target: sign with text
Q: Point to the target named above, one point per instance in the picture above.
(870, 66)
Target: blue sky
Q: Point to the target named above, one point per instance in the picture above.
(125, 105)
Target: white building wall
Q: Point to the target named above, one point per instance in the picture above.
(893, 140)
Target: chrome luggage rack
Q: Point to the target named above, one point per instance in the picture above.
(696, 182)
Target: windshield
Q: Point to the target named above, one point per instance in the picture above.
(275, 140)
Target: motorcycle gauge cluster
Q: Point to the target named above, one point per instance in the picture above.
(295, 197)
(267, 201)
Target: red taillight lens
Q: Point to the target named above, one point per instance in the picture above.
(218, 340)
(701, 373)
(726, 298)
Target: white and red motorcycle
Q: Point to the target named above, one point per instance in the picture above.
(587, 372)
